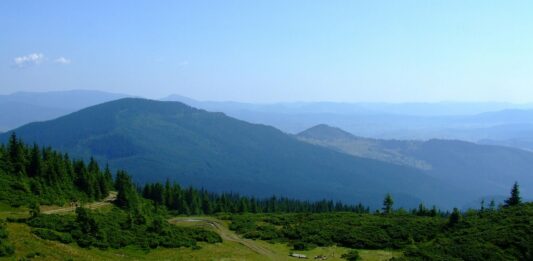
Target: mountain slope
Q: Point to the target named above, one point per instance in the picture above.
(24, 107)
(157, 140)
(481, 169)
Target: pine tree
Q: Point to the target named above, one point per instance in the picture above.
(492, 205)
(454, 218)
(515, 196)
(16, 155)
(387, 204)
(108, 176)
(127, 195)
(35, 167)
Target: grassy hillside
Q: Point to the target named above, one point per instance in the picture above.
(158, 140)
(481, 169)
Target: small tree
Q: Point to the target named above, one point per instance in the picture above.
(515, 196)
(492, 205)
(455, 217)
(387, 204)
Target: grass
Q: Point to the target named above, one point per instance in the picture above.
(8, 211)
(29, 246)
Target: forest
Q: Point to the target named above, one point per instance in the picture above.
(32, 176)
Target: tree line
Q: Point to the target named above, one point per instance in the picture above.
(49, 176)
(191, 201)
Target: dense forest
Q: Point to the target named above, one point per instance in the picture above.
(31, 176)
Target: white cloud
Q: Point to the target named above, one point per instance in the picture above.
(28, 60)
(62, 60)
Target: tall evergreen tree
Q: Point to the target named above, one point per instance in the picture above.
(387, 204)
(35, 167)
(514, 199)
(127, 195)
(16, 155)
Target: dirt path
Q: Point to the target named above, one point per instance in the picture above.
(105, 202)
(229, 235)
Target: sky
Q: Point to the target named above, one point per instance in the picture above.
(272, 51)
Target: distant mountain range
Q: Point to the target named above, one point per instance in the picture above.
(485, 123)
(24, 107)
(502, 124)
(482, 169)
(156, 140)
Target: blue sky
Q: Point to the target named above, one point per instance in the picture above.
(267, 51)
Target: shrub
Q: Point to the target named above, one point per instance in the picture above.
(352, 255)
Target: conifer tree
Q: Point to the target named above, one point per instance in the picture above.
(387, 204)
(514, 199)
(455, 217)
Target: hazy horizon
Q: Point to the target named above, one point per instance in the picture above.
(276, 51)
(268, 102)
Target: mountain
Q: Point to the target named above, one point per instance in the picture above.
(481, 169)
(157, 140)
(485, 123)
(383, 150)
(24, 107)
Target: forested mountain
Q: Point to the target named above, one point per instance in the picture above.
(158, 140)
(482, 169)
(24, 107)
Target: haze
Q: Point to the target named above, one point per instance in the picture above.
(273, 51)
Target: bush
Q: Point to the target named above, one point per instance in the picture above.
(352, 255)
(52, 235)
(117, 229)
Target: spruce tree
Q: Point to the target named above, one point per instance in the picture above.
(454, 218)
(515, 196)
(387, 204)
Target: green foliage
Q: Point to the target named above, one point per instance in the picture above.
(514, 199)
(127, 196)
(33, 175)
(454, 218)
(191, 201)
(344, 229)
(352, 255)
(502, 234)
(387, 204)
(52, 235)
(6, 249)
(505, 234)
(116, 229)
